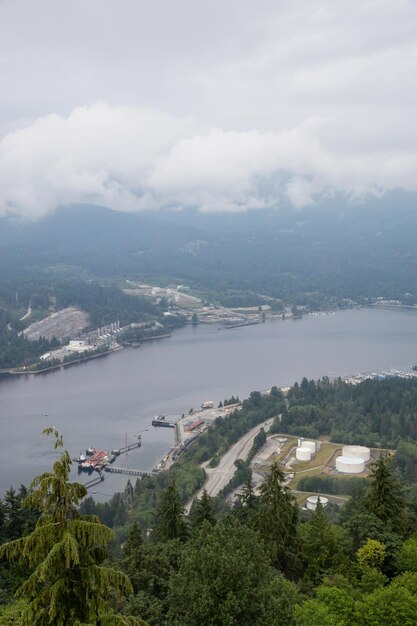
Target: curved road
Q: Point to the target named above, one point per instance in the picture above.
(219, 476)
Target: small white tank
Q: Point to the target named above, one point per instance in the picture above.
(360, 451)
(303, 454)
(312, 502)
(350, 464)
(311, 445)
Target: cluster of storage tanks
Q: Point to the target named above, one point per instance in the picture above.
(305, 450)
(353, 459)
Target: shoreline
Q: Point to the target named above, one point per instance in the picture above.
(14, 372)
(272, 317)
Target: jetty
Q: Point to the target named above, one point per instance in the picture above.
(159, 420)
(125, 470)
(127, 447)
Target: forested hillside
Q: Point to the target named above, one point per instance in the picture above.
(337, 250)
(374, 413)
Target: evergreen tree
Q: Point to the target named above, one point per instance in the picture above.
(68, 584)
(385, 499)
(134, 541)
(169, 516)
(276, 521)
(203, 511)
(324, 547)
(246, 503)
(225, 579)
(149, 566)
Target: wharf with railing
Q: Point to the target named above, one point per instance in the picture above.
(125, 470)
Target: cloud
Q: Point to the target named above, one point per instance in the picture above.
(222, 107)
(133, 159)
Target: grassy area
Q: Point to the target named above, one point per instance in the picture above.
(314, 467)
(322, 458)
(290, 443)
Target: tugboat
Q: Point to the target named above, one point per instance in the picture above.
(80, 460)
(414, 367)
(90, 451)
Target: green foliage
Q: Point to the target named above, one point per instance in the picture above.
(276, 521)
(385, 499)
(405, 461)
(258, 442)
(332, 607)
(242, 474)
(68, 583)
(337, 486)
(169, 516)
(203, 511)
(372, 554)
(406, 559)
(375, 412)
(324, 548)
(224, 579)
(394, 605)
(150, 567)
(246, 503)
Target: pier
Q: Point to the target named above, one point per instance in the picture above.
(161, 421)
(128, 447)
(125, 470)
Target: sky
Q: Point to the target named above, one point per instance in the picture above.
(223, 106)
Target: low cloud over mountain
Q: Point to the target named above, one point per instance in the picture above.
(223, 108)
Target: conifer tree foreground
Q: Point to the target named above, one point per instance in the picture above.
(276, 520)
(68, 585)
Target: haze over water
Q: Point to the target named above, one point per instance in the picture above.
(98, 402)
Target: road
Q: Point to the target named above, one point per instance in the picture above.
(219, 476)
(28, 314)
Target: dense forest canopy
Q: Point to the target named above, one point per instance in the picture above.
(375, 412)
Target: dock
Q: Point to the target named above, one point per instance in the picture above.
(127, 448)
(94, 460)
(160, 420)
(125, 470)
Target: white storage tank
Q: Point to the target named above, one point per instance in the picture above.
(311, 445)
(312, 502)
(350, 464)
(360, 451)
(303, 454)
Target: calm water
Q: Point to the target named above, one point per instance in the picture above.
(98, 402)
